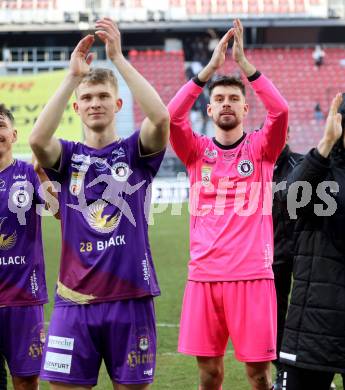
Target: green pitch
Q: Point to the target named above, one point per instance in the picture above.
(169, 242)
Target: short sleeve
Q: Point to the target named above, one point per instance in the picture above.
(58, 172)
(148, 162)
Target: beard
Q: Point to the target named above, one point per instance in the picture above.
(227, 124)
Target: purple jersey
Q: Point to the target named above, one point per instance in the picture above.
(104, 203)
(22, 278)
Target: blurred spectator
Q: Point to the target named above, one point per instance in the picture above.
(313, 346)
(199, 108)
(283, 247)
(318, 114)
(318, 56)
(213, 41)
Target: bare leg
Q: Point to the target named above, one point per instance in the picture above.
(211, 372)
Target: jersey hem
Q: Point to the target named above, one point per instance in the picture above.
(239, 279)
(20, 304)
(70, 303)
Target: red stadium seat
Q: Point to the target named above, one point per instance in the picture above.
(154, 65)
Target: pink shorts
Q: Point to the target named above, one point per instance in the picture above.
(244, 311)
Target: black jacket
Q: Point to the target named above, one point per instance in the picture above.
(314, 335)
(283, 224)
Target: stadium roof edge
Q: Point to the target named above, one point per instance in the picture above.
(174, 25)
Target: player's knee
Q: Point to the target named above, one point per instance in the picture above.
(211, 376)
(25, 383)
(260, 379)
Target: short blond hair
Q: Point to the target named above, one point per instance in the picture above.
(100, 76)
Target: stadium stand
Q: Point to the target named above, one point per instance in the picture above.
(28, 4)
(292, 70)
(165, 70)
(197, 8)
(302, 84)
(25, 11)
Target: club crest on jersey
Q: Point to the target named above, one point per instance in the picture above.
(211, 154)
(206, 175)
(2, 185)
(245, 168)
(76, 183)
(143, 343)
(21, 198)
(120, 171)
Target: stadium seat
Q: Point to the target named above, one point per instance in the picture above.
(153, 65)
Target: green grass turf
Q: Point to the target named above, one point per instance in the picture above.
(169, 242)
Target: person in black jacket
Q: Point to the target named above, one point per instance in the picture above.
(313, 346)
(3, 374)
(283, 247)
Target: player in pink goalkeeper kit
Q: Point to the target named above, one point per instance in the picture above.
(230, 289)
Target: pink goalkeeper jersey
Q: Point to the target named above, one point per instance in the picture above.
(231, 233)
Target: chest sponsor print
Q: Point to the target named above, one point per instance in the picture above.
(206, 172)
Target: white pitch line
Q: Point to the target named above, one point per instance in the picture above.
(167, 325)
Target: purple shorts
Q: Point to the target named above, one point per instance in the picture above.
(22, 337)
(123, 333)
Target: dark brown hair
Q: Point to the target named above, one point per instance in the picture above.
(227, 81)
(4, 111)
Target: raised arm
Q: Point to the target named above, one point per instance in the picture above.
(154, 133)
(314, 167)
(274, 131)
(45, 146)
(182, 138)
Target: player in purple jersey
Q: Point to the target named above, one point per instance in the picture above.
(22, 280)
(104, 294)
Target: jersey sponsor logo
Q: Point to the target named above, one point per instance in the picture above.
(81, 158)
(120, 171)
(113, 241)
(76, 183)
(136, 358)
(228, 156)
(101, 164)
(146, 269)
(19, 177)
(2, 185)
(34, 283)
(206, 175)
(12, 260)
(245, 168)
(82, 168)
(211, 154)
(103, 223)
(58, 362)
(117, 153)
(7, 241)
(268, 256)
(21, 198)
(61, 342)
